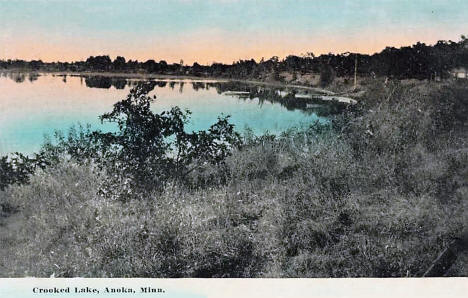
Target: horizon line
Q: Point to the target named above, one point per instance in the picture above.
(257, 60)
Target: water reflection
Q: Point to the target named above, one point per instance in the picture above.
(105, 82)
(33, 104)
(290, 98)
(20, 77)
(33, 77)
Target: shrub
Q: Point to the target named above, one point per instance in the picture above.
(18, 168)
(450, 106)
(150, 149)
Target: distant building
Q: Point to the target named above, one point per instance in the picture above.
(460, 72)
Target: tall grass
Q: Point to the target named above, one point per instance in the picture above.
(378, 194)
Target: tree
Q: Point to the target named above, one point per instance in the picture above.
(18, 168)
(102, 63)
(150, 149)
(150, 66)
(119, 63)
(327, 75)
(163, 65)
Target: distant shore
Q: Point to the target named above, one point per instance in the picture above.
(148, 76)
(129, 75)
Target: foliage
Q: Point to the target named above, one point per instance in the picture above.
(450, 107)
(419, 61)
(147, 150)
(378, 193)
(150, 149)
(327, 75)
(17, 168)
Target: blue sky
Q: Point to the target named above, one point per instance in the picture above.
(220, 30)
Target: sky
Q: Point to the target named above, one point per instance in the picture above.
(210, 31)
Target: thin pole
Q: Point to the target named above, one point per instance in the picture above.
(355, 71)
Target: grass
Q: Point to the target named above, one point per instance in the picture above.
(380, 195)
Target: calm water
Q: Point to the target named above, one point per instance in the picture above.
(34, 106)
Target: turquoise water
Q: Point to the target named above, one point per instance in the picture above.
(32, 107)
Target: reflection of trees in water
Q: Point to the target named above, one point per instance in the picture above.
(132, 83)
(116, 82)
(33, 77)
(277, 95)
(198, 85)
(119, 84)
(222, 87)
(105, 82)
(286, 97)
(161, 84)
(18, 77)
(98, 82)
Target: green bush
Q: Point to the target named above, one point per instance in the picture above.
(150, 149)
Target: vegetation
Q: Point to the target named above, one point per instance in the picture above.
(419, 61)
(379, 192)
(150, 149)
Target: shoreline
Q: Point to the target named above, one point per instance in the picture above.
(135, 75)
(327, 95)
(129, 75)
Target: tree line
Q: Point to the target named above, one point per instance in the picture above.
(419, 61)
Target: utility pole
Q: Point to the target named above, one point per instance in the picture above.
(355, 71)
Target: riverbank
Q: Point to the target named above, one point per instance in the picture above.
(326, 95)
(128, 75)
(380, 195)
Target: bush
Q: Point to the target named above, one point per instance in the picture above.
(18, 168)
(150, 149)
(450, 106)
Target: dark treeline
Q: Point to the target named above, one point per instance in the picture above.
(419, 61)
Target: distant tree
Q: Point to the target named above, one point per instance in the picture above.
(292, 63)
(36, 64)
(327, 75)
(181, 67)
(163, 65)
(100, 63)
(463, 52)
(197, 69)
(119, 63)
(150, 66)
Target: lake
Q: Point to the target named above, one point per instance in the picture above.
(35, 105)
